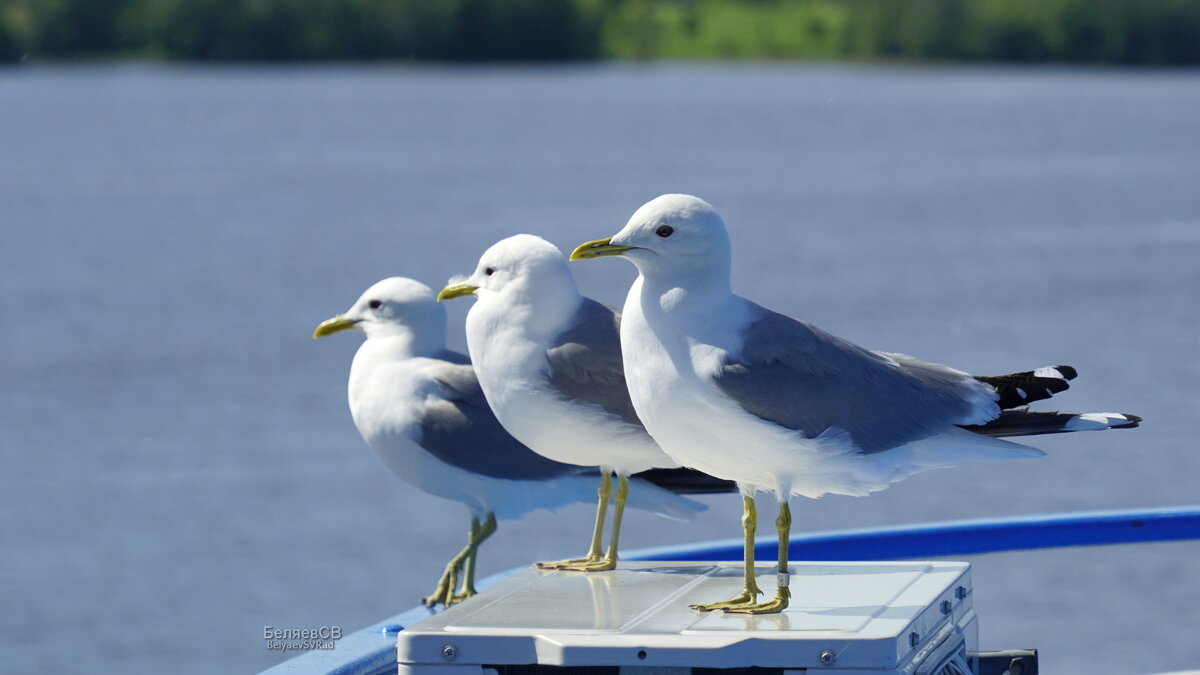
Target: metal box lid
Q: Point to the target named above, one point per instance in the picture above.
(854, 614)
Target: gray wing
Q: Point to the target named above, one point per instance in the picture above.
(460, 429)
(585, 361)
(803, 378)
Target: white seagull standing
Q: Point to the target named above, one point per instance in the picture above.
(743, 393)
(549, 361)
(420, 408)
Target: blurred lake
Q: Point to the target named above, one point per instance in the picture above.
(179, 467)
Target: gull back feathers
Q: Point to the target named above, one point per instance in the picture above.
(798, 376)
(585, 362)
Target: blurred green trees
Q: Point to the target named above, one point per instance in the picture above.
(288, 30)
(1142, 32)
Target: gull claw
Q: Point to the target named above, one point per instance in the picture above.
(746, 599)
(773, 606)
(564, 564)
(602, 565)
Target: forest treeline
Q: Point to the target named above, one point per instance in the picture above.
(1135, 32)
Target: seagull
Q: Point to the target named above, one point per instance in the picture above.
(739, 392)
(549, 362)
(419, 406)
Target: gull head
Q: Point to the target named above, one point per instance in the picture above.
(394, 306)
(671, 237)
(522, 269)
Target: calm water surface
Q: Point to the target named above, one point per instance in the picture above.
(178, 465)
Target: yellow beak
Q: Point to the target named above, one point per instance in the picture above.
(456, 291)
(335, 325)
(601, 248)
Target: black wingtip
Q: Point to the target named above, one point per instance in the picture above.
(1067, 372)
(1134, 422)
(1020, 389)
(1025, 422)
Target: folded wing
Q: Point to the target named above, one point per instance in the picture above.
(798, 376)
(459, 428)
(584, 364)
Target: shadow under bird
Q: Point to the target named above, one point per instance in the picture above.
(742, 393)
(419, 406)
(549, 361)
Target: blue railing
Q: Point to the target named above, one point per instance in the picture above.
(965, 537)
(371, 651)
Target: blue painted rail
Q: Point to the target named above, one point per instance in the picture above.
(371, 651)
(965, 537)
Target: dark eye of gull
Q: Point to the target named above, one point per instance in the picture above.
(490, 271)
(665, 231)
(374, 304)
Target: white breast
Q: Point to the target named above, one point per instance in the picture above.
(685, 413)
(386, 399)
(511, 368)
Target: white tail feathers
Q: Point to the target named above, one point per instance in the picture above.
(959, 446)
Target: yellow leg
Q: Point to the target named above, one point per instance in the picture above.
(750, 589)
(596, 549)
(783, 593)
(609, 562)
(468, 588)
(444, 592)
(618, 515)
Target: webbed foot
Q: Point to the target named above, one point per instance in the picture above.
(746, 599)
(558, 564)
(773, 606)
(460, 596)
(601, 565)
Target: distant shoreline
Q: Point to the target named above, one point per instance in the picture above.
(117, 63)
(1100, 32)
